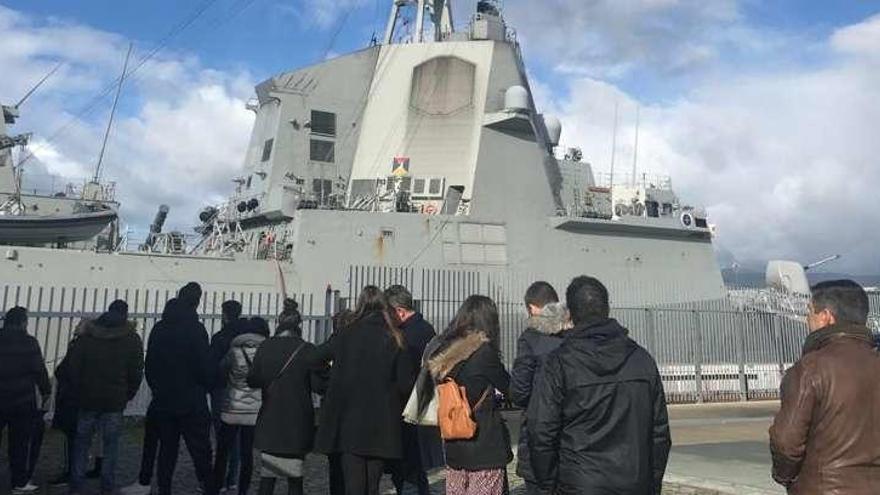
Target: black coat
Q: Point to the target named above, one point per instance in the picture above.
(532, 349)
(597, 417)
(179, 367)
(422, 446)
(417, 332)
(22, 372)
(286, 423)
(106, 366)
(65, 415)
(370, 381)
(478, 370)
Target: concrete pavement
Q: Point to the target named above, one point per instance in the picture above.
(717, 449)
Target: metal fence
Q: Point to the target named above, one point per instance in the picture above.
(55, 312)
(707, 351)
(712, 350)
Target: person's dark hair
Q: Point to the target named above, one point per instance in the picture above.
(846, 300)
(476, 314)
(342, 319)
(169, 307)
(259, 326)
(16, 318)
(541, 294)
(190, 295)
(587, 299)
(231, 309)
(400, 297)
(290, 320)
(119, 307)
(372, 300)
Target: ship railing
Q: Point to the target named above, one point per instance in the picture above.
(51, 185)
(643, 180)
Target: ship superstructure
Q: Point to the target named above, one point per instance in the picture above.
(425, 150)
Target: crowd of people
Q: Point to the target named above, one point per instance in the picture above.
(399, 398)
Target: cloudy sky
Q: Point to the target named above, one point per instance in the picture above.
(765, 112)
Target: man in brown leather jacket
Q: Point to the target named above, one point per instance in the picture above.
(826, 437)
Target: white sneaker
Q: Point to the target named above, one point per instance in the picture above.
(27, 488)
(136, 489)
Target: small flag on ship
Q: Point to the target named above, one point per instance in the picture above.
(400, 166)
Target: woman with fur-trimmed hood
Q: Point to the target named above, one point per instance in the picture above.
(470, 355)
(548, 318)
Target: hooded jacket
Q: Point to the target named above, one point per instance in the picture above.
(476, 365)
(597, 416)
(22, 371)
(826, 438)
(179, 368)
(106, 366)
(542, 335)
(241, 403)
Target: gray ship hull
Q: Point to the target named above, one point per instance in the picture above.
(657, 266)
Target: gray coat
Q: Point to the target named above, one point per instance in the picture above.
(241, 403)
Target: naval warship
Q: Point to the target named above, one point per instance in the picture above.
(424, 151)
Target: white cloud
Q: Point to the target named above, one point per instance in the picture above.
(861, 39)
(181, 131)
(610, 38)
(786, 160)
(324, 14)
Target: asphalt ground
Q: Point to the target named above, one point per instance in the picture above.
(717, 448)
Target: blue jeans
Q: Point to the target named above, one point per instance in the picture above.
(110, 425)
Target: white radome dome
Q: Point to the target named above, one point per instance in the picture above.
(516, 98)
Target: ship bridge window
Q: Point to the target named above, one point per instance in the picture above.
(434, 186)
(418, 187)
(322, 188)
(267, 149)
(428, 187)
(322, 151)
(323, 123)
(405, 184)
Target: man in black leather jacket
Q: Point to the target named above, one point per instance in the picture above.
(597, 418)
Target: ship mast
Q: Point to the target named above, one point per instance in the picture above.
(440, 14)
(112, 114)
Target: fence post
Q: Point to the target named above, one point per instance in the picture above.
(698, 355)
(777, 341)
(741, 357)
(330, 297)
(651, 328)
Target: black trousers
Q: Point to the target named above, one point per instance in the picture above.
(361, 474)
(226, 435)
(409, 469)
(69, 450)
(35, 444)
(535, 489)
(19, 425)
(150, 449)
(337, 482)
(195, 429)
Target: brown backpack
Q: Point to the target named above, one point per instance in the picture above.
(454, 415)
